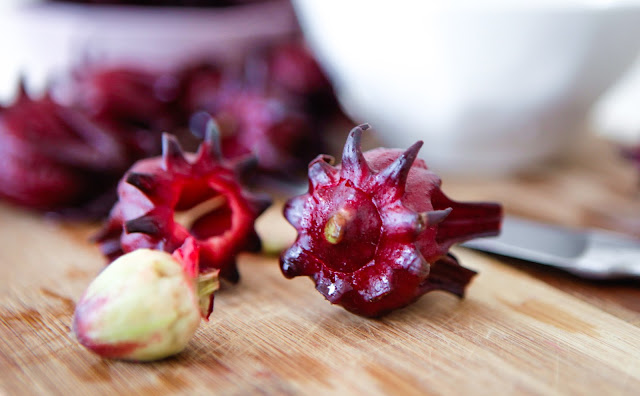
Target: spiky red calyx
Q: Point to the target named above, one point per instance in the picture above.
(54, 157)
(155, 189)
(374, 233)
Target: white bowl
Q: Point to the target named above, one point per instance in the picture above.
(490, 86)
(44, 41)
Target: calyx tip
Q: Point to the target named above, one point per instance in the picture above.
(434, 217)
(354, 165)
(212, 138)
(171, 151)
(145, 224)
(142, 181)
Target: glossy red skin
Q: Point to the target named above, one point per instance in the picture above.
(179, 183)
(386, 258)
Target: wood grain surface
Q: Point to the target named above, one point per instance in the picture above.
(522, 329)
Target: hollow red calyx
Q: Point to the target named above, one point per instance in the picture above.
(374, 233)
(166, 199)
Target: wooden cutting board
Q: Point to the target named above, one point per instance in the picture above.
(519, 330)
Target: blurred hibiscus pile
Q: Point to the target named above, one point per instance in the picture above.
(181, 3)
(64, 153)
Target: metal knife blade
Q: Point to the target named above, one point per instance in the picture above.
(589, 253)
